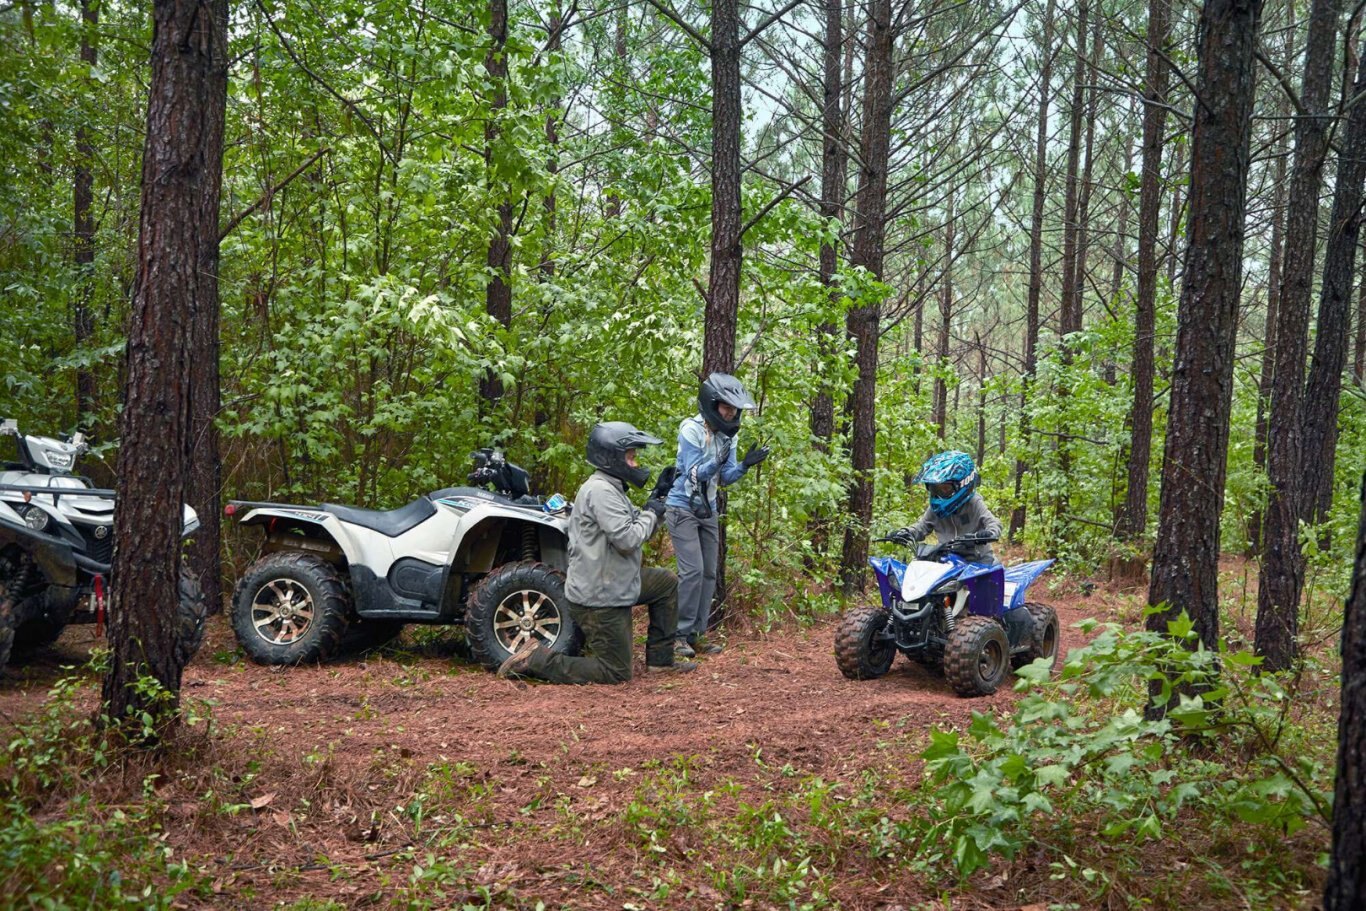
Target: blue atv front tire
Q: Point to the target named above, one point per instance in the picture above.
(977, 656)
(860, 651)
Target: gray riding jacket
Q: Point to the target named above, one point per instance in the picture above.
(606, 533)
(972, 517)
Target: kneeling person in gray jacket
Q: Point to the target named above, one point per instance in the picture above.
(605, 579)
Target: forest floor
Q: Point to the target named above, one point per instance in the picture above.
(412, 778)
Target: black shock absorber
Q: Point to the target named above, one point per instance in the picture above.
(947, 607)
(530, 542)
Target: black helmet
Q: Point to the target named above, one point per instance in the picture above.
(718, 388)
(608, 443)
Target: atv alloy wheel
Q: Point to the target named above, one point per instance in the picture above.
(859, 652)
(977, 656)
(1044, 637)
(515, 604)
(290, 608)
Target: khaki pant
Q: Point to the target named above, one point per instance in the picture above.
(607, 636)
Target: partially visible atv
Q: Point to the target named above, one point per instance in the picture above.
(970, 620)
(57, 546)
(334, 578)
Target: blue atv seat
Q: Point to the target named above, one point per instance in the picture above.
(390, 523)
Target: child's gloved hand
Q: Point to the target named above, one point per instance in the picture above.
(904, 536)
(657, 506)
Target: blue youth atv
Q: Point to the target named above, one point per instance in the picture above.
(969, 619)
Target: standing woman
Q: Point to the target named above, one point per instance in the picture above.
(706, 461)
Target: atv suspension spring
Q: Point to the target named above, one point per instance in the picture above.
(530, 543)
(948, 620)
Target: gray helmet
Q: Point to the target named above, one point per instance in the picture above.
(718, 388)
(607, 446)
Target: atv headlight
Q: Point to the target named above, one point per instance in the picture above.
(60, 461)
(36, 519)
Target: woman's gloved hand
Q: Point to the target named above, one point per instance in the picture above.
(754, 455)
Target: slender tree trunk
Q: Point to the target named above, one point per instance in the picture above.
(833, 179)
(83, 223)
(1347, 865)
(205, 480)
(1282, 571)
(1186, 556)
(1134, 515)
(1031, 342)
(1175, 215)
(981, 399)
(1273, 298)
(1360, 354)
(1120, 252)
(552, 137)
(498, 295)
(189, 54)
(723, 287)
(1320, 422)
(1069, 314)
(1087, 173)
(862, 322)
(941, 348)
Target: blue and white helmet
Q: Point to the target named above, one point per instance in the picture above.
(951, 478)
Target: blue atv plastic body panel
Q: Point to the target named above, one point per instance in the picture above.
(1018, 579)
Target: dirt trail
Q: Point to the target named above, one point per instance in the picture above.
(773, 701)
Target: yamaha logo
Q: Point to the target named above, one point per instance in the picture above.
(101, 532)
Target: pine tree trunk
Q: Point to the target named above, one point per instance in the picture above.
(553, 45)
(1031, 342)
(723, 288)
(1069, 315)
(83, 223)
(1282, 571)
(1273, 298)
(833, 179)
(981, 399)
(1134, 515)
(498, 295)
(1185, 573)
(1359, 359)
(205, 481)
(1347, 865)
(182, 153)
(941, 348)
(1319, 426)
(863, 321)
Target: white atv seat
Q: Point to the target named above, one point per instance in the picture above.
(390, 523)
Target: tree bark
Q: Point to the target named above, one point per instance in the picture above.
(981, 399)
(1319, 427)
(1282, 571)
(862, 322)
(205, 480)
(723, 287)
(498, 295)
(1347, 864)
(1069, 314)
(83, 223)
(1360, 353)
(833, 179)
(941, 347)
(1133, 518)
(1031, 342)
(1273, 298)
(1185, 573)
(182, 153)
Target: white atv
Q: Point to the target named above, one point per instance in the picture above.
(57, 546)
(335, 578)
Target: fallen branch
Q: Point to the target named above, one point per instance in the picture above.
(270, 193)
